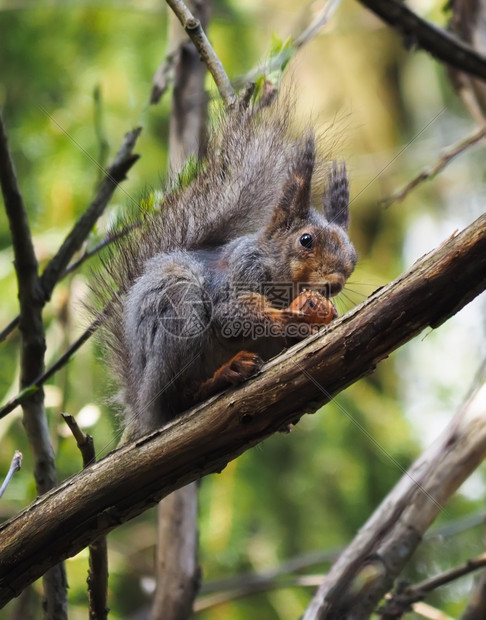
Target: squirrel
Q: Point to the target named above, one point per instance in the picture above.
(228, 271)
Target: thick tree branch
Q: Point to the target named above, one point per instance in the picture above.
(370, 564)
(418, 32)
(204, 440)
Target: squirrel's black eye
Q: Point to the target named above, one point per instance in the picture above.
(306, 241)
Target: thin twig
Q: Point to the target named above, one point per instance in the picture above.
(116, 172)
(292, 565)
(99, 130)
(197, 35)
(8, 329)
(83, 440)
(37, 384)
(317, 23)
(98, 551)
(411, 594)
(14, 467)
(444, 160)
(57, 266)
(164, 76)
(417, 32)
(279, 60)
(106, 241)
(256, 587)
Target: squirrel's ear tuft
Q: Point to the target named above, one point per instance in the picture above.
(294, 202)
(335, 200)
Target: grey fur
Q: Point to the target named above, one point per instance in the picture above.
(183, 274)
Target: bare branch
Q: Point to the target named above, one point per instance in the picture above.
(247, 580)
(8, 329)
(195, 32)
(25, 258)
(367, 568)
(84, 442)
(98, 550)
(178, 574)
(100, 133)
(116, 172)
(14, 467)
(39, 381)
(402, 601)
(280, 60)
(98, 579)
(164, 74)
(468, 23)
(317, 23)
(31, 299)
(87, 254)
(256, 587)
(222, 590)
(58, 265)
(444, 160)
(136, 476)
(418, 32)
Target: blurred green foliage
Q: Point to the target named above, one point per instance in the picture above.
(74, 77)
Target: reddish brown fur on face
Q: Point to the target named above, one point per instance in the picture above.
(324, 266)
(303, 270)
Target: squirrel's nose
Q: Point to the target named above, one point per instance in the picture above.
(335, 285)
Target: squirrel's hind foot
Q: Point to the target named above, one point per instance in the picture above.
(240, 367)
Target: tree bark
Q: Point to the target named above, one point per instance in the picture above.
(136, 476)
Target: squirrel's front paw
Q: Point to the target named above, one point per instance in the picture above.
(314, 308)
